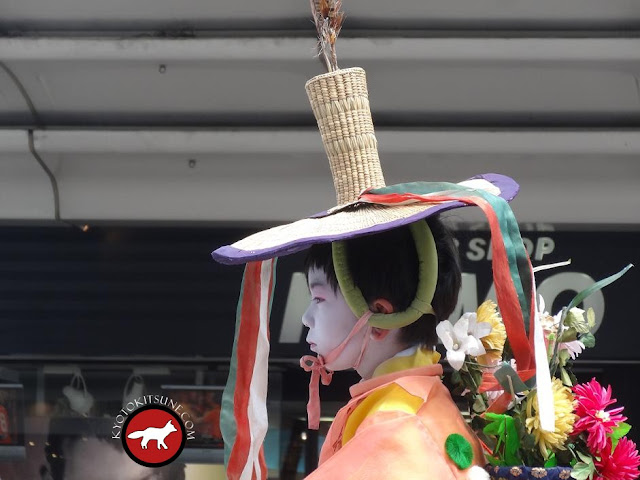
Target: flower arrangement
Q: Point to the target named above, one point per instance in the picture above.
(583, 432)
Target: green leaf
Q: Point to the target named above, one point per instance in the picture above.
(507, 377)
(597, 286)
(479, 405)
(585, 458)
(575, 319)
(569, 335)
(504, 427)
(614, 444)
(564, 375)
(583, 471)
(512, 443)
(591, 318)
(621, 430)
(563, 357)
(552, 341)
(573, 378)
(528, 442)
(551, 462)
(493, 428)
(493, 416)
(589, 340)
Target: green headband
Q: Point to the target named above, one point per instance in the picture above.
(427, 279)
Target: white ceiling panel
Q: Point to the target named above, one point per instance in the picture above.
(261, 81)
(271, 175)
(13, 108)
(225, 14)
(25, 190)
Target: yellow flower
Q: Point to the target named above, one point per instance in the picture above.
(494, 342)
(563, 406)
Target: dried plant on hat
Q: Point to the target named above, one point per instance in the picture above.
(328, 19)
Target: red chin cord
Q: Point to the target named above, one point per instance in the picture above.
(319, 371)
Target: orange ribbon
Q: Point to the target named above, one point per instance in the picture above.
(315, 365)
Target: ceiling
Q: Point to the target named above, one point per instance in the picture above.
(150, 110)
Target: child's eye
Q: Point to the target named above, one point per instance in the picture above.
(317, 300)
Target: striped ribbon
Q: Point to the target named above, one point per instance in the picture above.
(512, 275)
(243, 419)
(512, 271)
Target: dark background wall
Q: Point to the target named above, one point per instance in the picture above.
(152, 291)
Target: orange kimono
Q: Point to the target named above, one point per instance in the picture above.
(395, 427)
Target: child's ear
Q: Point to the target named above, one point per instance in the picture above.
(381, 305)
(379, 333)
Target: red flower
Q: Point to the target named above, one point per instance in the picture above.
(591, 401)
(622, 464)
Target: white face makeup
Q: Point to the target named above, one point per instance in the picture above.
(330, 320)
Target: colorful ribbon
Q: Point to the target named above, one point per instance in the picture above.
(512, 270)
(243, 419)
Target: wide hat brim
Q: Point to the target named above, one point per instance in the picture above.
(349, 221)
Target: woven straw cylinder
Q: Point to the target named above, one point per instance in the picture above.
(340, 103)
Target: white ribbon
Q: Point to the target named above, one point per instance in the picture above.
(546, 408)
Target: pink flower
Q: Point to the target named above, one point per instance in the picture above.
(622, 464)
(591, 401)
(574, 348)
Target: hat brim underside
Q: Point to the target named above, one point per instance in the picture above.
(353, 221)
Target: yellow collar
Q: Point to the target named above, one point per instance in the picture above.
(411, 358)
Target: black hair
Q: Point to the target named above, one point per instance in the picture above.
(64, 432)
(385, 265)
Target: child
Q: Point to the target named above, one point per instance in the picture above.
(396, 275)
(401, 403)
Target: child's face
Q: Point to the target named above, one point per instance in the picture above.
(330, 320)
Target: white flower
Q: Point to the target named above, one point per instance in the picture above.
(475, 329)
(459, 342)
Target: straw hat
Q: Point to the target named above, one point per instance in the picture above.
(340, 103)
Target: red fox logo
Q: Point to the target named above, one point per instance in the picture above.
(154, 433)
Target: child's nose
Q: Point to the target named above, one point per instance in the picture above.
(307, 319)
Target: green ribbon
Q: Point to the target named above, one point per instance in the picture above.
(504, 428)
